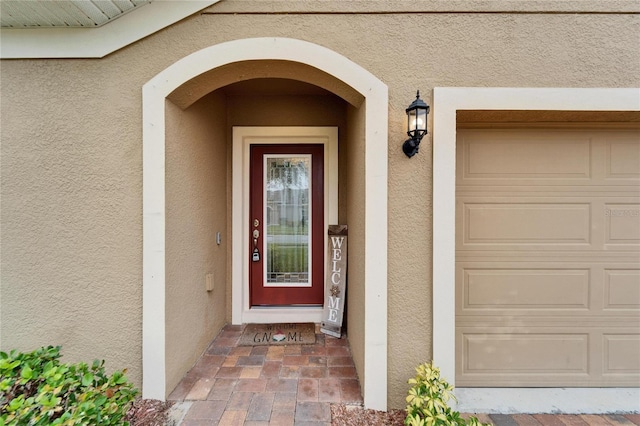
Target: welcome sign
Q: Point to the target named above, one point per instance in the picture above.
(335, 285)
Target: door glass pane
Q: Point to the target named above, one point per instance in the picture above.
(287, 209)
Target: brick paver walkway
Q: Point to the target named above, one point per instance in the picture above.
(260, 385)
(296, 384)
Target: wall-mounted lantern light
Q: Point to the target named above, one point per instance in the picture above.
(416, 125)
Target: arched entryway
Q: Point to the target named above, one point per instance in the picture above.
(199, 74)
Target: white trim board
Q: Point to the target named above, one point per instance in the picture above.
(154, 94)
(243, 137)
(446, 101)
(21, 43)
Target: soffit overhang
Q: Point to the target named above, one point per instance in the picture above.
(26, 40)
(64, 13)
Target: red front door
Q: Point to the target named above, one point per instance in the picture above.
(286, 249)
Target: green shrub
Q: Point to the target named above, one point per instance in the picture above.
(36, 389)
(427, 400)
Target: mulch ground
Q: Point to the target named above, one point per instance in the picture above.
(344, 415)
(148, 412)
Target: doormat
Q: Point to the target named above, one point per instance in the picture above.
(278, 334)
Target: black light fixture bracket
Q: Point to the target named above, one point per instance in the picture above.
(416, 125)
(411, 146)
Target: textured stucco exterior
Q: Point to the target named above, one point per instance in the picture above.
(71, 161)
(355, 211)
(196, 179)
(71, 210)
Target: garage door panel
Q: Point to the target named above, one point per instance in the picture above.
(623, 259)
(622, 223)
(547, 356)
(558, 288)
(548, 258)
(497, 154)
(602, 222)
(514, 322)
(623, 157)
(548, 157)
(622, 289)
(582, 288)
(526, 223)
(611, 193)
(621, 354)
(508, 359)
(509, 353)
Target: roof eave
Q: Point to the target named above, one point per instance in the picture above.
(96, 42)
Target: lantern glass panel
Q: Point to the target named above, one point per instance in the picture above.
(421, 120)
(417, 122)
(411, 122)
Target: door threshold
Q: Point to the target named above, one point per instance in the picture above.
(279, 314)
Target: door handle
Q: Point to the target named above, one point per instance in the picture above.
(255, 255)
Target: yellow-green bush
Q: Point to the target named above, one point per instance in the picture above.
(427, 401)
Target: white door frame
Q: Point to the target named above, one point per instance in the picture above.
(375, 94)
(243, 137)
(447, 101)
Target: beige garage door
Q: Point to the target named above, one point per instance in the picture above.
(548, 258)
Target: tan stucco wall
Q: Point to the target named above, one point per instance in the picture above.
(72, 210)
(355, 201)
(71, 153)
(196, 189)
(252, 110)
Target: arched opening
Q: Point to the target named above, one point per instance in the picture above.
(188, 112)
